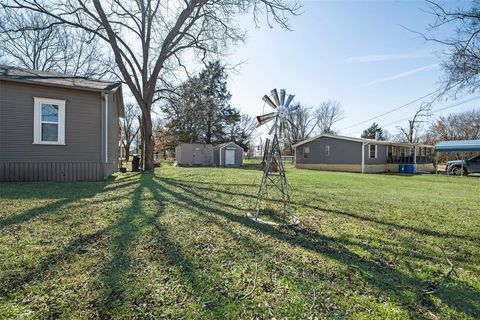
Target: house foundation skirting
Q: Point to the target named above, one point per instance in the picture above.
(330, 167)
(368, 168)
(53, 171)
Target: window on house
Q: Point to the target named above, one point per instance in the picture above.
(372, 151)
(306, 152)
(327, 151)
(49, 121)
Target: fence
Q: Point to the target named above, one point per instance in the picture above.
(51, 171)
(284, 158)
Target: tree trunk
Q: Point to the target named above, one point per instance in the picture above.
(141, 147)
(127, 152)
(148, 141)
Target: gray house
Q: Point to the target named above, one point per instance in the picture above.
(228, 154)
(339, 153)
(55, 127)
(194, 154)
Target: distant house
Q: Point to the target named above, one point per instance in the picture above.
(194, 154)
(204, 154)
(55, 127)
(339, 153)
(228, 154)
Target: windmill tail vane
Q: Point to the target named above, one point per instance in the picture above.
(274, 178)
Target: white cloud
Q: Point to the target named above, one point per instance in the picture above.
(401, 75)
(386, 57)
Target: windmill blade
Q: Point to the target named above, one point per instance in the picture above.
(282, 96)
(269, 101)
(289, 99)
(265, 118)
(293, 108)
(264, 122)
(275, 96)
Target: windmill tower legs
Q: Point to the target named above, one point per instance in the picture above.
(274, 180)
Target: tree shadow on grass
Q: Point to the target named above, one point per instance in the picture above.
(13, 280)
(364, 217)
(424, 232)
(119, 279)
(392, 282)
(73, 248)
(72, 196)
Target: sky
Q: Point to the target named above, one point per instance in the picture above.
(360, 53)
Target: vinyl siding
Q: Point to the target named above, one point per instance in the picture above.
(83, 117)
(381, 155)
(113, 135)
(187, 154)
(341, 152)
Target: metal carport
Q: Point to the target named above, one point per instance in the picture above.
(458, 146)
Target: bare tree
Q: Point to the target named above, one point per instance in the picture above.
(455, 126)
(30, 40)
(144, 35)
(300, 126)
(129, 127)
(415, 124)
(326, 115)
(242, 132)
(462, 66)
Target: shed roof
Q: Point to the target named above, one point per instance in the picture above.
(223, 145)
(194, 143)
(55, 79)
(458, 146)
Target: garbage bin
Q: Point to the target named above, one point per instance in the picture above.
(410, 168)
(136, 163)
(401, 168)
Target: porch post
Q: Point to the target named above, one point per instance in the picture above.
(415, 157)
(363, 157)
(463, 157)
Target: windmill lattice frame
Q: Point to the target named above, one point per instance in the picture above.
(273, 167)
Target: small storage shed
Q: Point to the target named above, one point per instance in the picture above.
(194, 154)
(228, 154)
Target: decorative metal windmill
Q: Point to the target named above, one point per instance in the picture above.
(273, 168)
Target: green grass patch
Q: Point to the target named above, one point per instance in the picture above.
(176, 244)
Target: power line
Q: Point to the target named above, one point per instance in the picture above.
(393, 110)
(431, 113)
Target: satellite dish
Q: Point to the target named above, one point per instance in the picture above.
(272, 165)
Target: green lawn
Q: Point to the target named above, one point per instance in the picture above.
(177, 244)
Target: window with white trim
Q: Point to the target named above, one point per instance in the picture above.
(306, 152)
(372, 151)
(327, 151)
(48, 121)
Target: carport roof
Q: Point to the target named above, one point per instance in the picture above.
(458, 146)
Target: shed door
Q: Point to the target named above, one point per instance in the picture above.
(197, 156)
(229, 157)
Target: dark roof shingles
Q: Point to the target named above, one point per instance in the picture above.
(55, 79)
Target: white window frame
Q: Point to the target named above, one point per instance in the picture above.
(327, 150)
(37, 120)
(369, 151)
